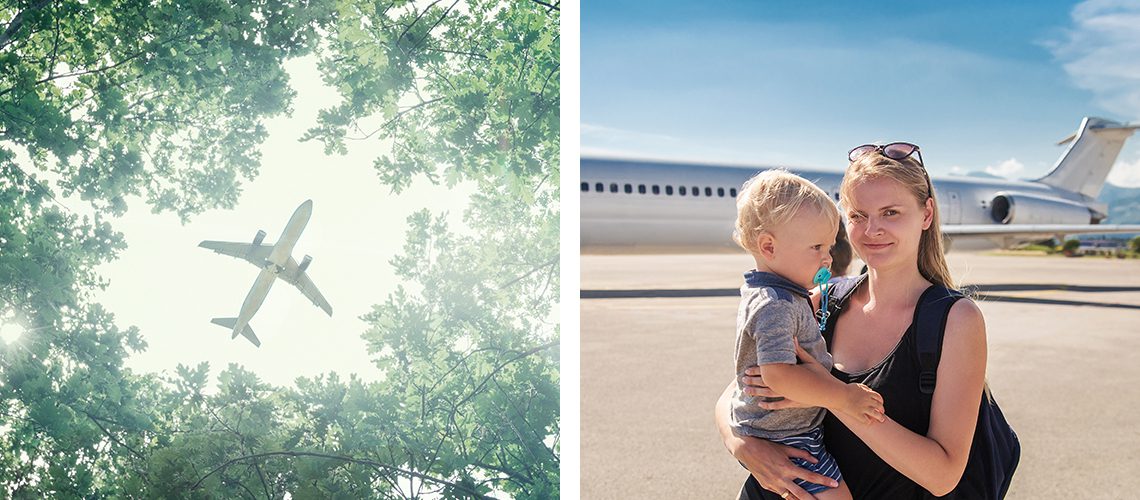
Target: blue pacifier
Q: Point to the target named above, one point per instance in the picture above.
(822, 277)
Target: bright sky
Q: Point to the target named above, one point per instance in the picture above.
(168, 287)
(978, 85)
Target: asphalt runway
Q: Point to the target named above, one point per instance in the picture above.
(657, 350)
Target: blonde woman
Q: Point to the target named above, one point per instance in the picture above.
(923, 446)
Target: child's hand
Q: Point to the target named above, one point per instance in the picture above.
(863, 404)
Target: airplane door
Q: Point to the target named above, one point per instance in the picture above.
(954, 212)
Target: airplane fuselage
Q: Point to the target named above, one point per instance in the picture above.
(273, 266)
(646, 205)
(630, 205)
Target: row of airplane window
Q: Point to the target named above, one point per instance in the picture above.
(655, 189)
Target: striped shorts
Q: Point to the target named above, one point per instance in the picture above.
(812, 442)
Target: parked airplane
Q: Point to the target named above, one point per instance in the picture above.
(652, 206)
(275, 262)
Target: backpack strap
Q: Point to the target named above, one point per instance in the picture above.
(930, 326)
(838, 294)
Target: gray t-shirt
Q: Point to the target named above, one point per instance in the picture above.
(772, 311)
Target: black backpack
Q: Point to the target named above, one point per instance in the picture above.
(995, 451)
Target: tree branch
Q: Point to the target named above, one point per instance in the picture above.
(533, 270)
(52, 77)
(545, 105)
(500, 368)
(18, 21)
(360, 461)
(395, 118)
(54, 46)
(512, 475)
(416, 20)
(243, 486)
(264, 485)
(549, 6)
(521, 414)
(456, 52)
(112, 436)
(441, 378)
(442, 438)
(437, 21)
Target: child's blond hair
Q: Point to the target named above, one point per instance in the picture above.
(770, 199)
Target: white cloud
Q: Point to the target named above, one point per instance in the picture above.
(590, 151)
(958, 170)
(1101, 52)
(1006, 169)
(611, 142)
(1126, 174)
(612, 134)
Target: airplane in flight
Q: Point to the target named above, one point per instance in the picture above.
(633, 206)
(275, 261)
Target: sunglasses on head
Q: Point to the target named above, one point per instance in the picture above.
(894, 151)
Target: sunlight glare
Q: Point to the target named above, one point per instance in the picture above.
(10, 332)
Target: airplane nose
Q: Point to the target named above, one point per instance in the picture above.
(305, 208)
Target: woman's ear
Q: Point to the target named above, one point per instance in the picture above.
(928, 213)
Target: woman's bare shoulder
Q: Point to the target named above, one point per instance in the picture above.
(965, 319)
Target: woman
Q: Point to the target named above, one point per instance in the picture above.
(892, 224)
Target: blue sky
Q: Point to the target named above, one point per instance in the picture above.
(979, 86)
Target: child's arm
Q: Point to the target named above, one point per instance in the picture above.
(813, 386)
(774, 326)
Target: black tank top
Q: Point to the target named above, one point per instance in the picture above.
(896, 378)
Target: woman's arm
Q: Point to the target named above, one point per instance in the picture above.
(769, 462)
(936, 461)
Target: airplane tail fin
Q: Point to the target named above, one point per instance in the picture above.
(1093, 149)
(247, 332)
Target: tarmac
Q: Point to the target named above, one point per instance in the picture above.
(657, 350)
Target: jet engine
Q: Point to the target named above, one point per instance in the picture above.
(304, 264)
(258, 238)
(1023, 208)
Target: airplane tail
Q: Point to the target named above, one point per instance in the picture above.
(230, 323)
(1093, 149)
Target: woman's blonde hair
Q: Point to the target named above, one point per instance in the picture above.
(770, 198)
(912, 176)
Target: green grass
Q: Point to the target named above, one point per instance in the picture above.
(1038, 248)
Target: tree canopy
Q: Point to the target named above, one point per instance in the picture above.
(114, 100)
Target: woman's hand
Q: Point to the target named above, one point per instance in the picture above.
(808, 361)
(754, 383)
(771, 465)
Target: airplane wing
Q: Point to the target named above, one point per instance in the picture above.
(255, 254)
(1034, 230)
(305, 285)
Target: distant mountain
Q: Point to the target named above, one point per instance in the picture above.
(1123, 204)
(985, 175)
